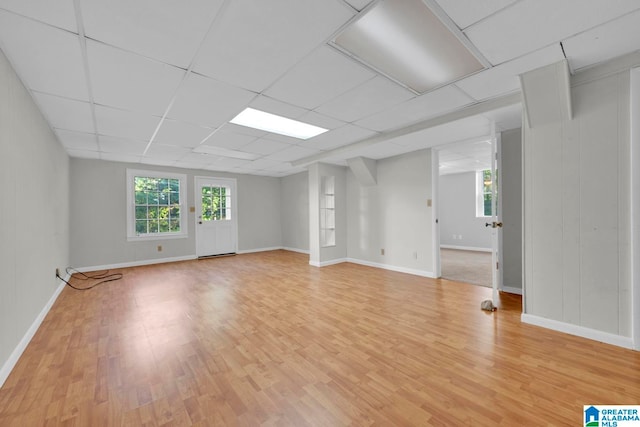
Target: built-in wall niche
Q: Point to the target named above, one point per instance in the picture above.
(327, 211)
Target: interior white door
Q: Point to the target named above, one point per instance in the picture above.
(216, 216)
(496, 223)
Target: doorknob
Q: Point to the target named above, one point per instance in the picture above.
(493, 224)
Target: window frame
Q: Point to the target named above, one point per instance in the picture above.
(480, 193)
(132, 236)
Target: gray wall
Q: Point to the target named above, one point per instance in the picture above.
(577, 209)
(98, 215)
(393, 214)
(295, 211)
(511, 207)
(458, 213)
(34, 217)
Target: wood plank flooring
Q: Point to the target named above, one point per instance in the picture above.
(265, 339)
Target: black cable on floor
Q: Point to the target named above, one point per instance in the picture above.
(103, 276)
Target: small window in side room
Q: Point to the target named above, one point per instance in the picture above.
(483, 193)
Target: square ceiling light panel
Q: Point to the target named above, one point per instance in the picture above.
(406, 41)
(257, 119)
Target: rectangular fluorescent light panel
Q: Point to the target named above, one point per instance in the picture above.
(276, 124)
(406, 41)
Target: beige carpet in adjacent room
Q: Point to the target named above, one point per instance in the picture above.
(466, 266)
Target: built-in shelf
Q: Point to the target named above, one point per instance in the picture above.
(327, 212)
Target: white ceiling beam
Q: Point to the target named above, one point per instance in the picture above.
(468, 111)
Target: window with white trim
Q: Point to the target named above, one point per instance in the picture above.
(155, 205)
(483, 192)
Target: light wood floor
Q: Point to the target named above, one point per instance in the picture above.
(265, 339)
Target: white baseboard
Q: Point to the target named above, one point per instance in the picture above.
(251, 251)
(302, 251)
(579, 331)
(326, 263)
(511, 290)
(406, 270)
(466, 248)
(136, 263)
(8, 366)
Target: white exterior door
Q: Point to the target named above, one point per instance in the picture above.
(216, 216)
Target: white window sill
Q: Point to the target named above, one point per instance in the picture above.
(156, 237)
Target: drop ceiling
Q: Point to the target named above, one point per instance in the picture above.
(150, 81)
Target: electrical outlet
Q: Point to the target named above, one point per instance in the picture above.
(382, 251)
(159, 248)
(57, 272)
(415, 255)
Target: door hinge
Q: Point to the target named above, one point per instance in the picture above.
(497, 265)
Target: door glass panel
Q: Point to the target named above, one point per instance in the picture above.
(216, 203)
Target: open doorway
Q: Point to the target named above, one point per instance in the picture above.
(455, 160)
(465, 207)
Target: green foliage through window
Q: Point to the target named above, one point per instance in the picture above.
(157, 205)
(216, 203)
(486, 191)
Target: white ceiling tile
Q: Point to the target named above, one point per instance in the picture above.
(208, 102)
(110, 144)
(370, 97)
(229, 138)
(125, 124)
(196, 160)
(126, 80)
(321, 120)
(157, 162)
(465, 157)
(256, 42)
(273, 106)
(265, 146)
(359, 4)
(120, 157)
(165, 30)
(262, 164)
(47, 59)
(320, 77)
(63, 113)
(166, 152)
(59, 13)
(607, 41)
(227, 163)
(532, 24)
(503, 78)
(338, 137)
(420, 108)
(173, 132)
(292, 153)
(77, 140)
(83, 154)
(466, 12)
(189, 164)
